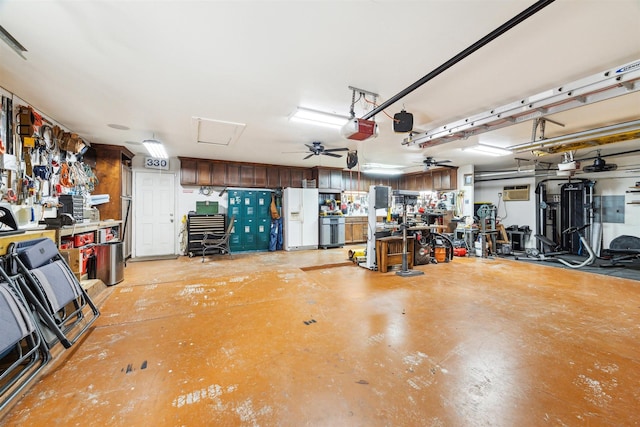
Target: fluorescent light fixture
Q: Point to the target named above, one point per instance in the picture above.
(318, 118)
(155, 148)
(487, 150)
(381, 169)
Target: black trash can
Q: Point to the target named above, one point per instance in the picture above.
(110, 262)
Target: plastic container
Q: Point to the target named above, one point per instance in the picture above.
(440, 253)
(478, 248)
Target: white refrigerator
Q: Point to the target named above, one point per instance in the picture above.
(300, 208)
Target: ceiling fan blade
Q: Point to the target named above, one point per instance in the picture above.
(310, 155)
(443, 161)
(336, 149)
(311, 147)
(448, 166)
(331, 154)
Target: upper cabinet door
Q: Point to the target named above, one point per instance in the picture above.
(233, 175)
(218, 174)
(188, 170)
(260, 176)
(204, 172)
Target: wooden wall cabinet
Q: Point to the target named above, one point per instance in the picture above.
(188, 172)
(247, 176)
(328, 179)
(260, 176)
(218, 174)
(203, 172)
(232, 177)
(285, 177)
(297, 175)
(111, 178)
(437, 180)
(445, 179)
(273, 176)
(355, 229)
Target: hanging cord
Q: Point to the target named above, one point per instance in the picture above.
(498, 217)
(375, 104)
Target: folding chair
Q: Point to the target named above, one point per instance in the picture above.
(217, 240)
(23, 352)
(49, 285)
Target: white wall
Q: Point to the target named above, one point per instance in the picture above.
(509, 213)
(613, 183)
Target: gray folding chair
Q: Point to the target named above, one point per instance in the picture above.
(23, 352)
(49, 285)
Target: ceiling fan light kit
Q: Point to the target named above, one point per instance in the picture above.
(316, 148)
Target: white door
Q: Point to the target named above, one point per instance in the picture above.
(154, 213)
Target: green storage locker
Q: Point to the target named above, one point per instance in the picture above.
(252, 219)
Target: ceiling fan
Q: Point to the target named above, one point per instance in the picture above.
(599, 165)
(429, 162)
(318, 149)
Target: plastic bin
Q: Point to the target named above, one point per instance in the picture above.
(110, 262)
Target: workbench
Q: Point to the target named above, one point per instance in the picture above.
(8, 238)
(389, 252)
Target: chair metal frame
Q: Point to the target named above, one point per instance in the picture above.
(25, 358)
(62, 323)
(218, 241)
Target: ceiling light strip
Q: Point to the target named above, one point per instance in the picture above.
(319, 118)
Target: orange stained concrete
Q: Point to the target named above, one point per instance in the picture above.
(269, 339)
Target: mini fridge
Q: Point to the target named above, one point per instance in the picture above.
(110, 262)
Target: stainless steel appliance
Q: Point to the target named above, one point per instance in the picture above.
(331, 231)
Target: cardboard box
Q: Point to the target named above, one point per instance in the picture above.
(77, 259)
(73, 258)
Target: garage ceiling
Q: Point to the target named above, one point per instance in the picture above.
(155, 67)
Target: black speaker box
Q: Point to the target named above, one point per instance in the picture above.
(402, 122)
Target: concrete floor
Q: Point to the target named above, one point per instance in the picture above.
(275, 339)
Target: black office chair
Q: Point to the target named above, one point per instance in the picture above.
(219, 241)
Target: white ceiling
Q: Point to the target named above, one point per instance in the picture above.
(153, 65)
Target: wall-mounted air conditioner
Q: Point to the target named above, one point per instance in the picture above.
(515, 192)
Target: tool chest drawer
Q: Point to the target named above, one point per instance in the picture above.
(198, 225)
